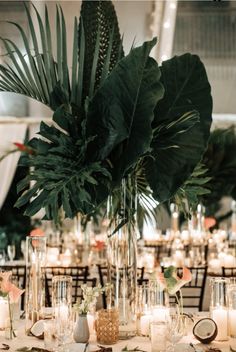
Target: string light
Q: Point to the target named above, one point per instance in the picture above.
(166, 24)
(172, 5)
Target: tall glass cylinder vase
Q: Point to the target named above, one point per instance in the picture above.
(219, 306)
(35, 288)
(159, 300)
(122, 262)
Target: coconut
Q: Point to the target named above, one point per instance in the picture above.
(37, 329)
(205, 330)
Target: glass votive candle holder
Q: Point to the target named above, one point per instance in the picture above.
(232, 307)
(158, 331)
(107, 326)
(145, 321)
(143, 310)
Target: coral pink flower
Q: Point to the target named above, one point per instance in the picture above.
(171, 281)
(37, 232)
(6, 287)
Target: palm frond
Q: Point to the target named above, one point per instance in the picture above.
(191, 193)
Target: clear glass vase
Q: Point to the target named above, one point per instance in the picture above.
(219, 306)
(122, 262)
(35, 287)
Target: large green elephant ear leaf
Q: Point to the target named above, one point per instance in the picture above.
(181, 124)
(121, 113)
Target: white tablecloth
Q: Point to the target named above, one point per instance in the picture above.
(142, 342)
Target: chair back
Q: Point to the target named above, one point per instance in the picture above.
(228, 272)
(193, 291)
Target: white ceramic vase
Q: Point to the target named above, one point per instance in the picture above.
(81, 331)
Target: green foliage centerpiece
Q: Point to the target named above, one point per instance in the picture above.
(117, 120)
(114, 115)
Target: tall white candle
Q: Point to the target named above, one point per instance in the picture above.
(232, 322)
(160, 313)
(4, 313)
(229, 261)
(145, 324)
(62, 312)
(220, 316)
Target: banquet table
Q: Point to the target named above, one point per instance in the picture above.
(143, 343)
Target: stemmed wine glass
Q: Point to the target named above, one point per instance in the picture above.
(175, 326)
(11, 251)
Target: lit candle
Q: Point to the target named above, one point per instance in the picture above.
(229, 261)
(4, 313)
(65, 258)
(52, 255)
(62, 312)
(232, 322)
(179, 258)
(145, 324)
(215, 265)
(160, 314)
(220, 316)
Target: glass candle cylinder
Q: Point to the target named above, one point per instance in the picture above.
(62, 306)
(107, 326)
(143, 309)
(232, 307)
(159, 301)
(219, 306)
(4, 313)
(35, 288)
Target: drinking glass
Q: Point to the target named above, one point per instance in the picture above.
(23, 248)
(11, 251)
(50, 342)
(61, 298)
(158, 331)
(2, 257)
(175, 326)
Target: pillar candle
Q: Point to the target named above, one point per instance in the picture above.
(160, 313)
(232, 322)
(145, 324)
(4, 313)
(220, 316)
(62, 312)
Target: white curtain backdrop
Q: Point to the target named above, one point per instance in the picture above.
(9, 133)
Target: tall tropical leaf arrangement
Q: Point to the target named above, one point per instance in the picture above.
(114, 116)
(62, 161)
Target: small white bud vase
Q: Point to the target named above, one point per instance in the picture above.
(81, 331)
